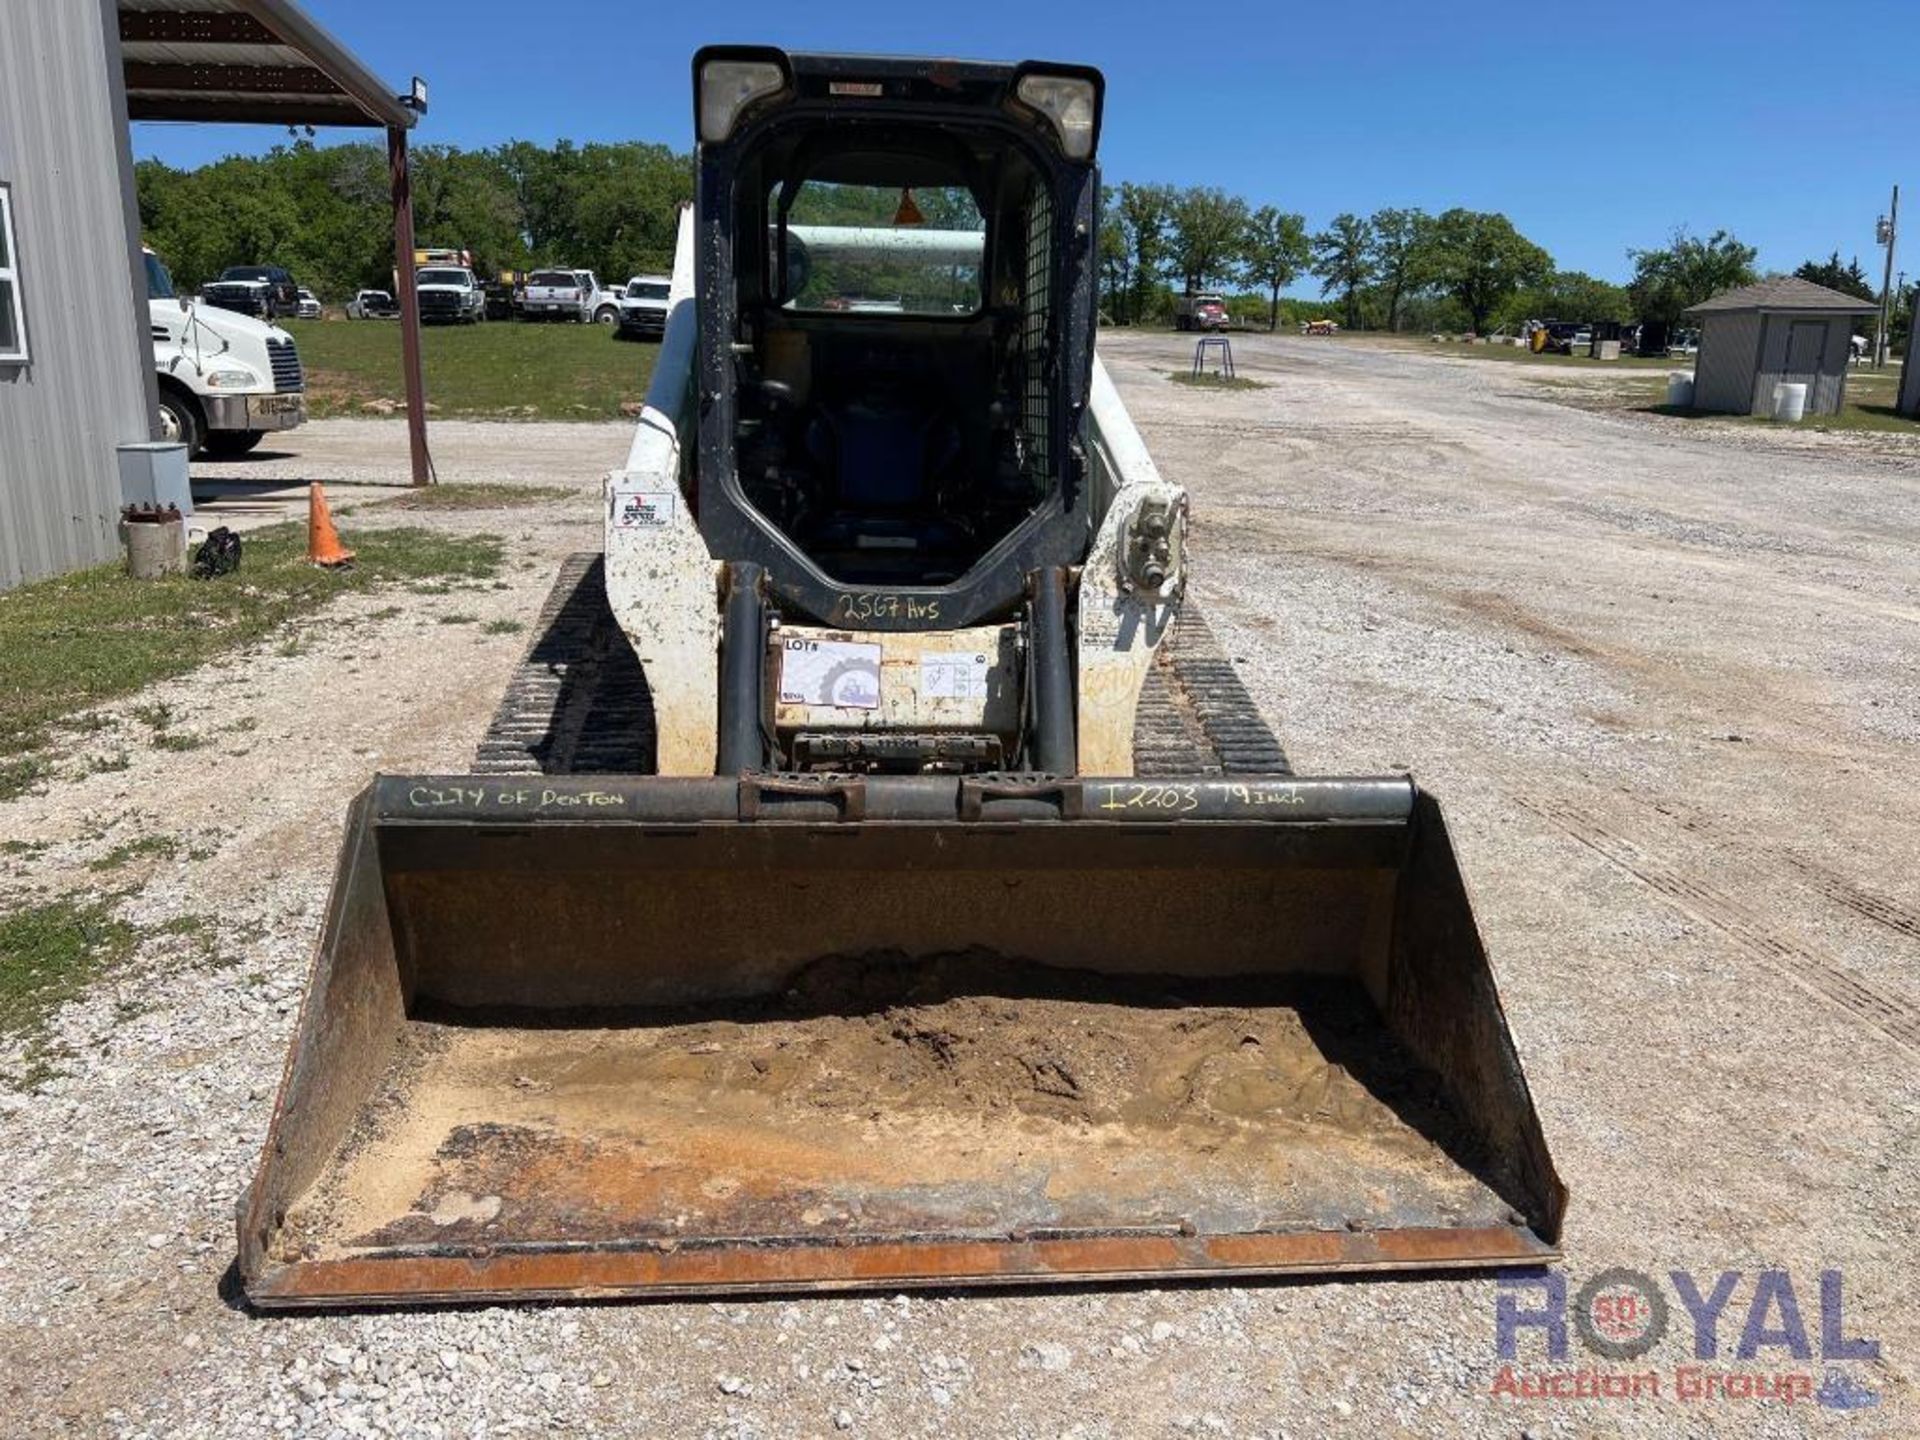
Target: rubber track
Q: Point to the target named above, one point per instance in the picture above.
(578, 702)
(1196, 717)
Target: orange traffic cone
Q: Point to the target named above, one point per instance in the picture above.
(323, 541)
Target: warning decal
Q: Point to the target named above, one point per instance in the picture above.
(844, 674)
(956, 675)
(643, 509)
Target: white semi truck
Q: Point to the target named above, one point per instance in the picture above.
(225, 379)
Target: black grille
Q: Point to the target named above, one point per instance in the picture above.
(286, 366)
(439, 302)
(242, 299)
(1036, 410)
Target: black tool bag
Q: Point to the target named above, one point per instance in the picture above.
(219, 554)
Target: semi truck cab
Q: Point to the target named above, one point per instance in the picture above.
(226, 379)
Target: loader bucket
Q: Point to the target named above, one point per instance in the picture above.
(578, 1037)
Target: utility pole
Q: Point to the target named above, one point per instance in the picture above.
(1900, 297)
(1885, 232)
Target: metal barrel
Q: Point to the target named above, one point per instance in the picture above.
(607, 1036)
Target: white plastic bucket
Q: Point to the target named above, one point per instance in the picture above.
(1789, 401)
(1680, 390)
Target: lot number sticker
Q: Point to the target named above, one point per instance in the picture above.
(844, 674)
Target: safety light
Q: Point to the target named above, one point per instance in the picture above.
(727, 87)
(1068, 102)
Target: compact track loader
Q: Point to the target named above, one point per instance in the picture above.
(875, 875)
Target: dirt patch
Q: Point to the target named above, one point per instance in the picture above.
(914, 1095)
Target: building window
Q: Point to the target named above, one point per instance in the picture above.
(13, 329)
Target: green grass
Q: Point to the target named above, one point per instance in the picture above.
(1851, 417)
(502, 627)
(159, 847)
(546, 372)
(49, 953)
(1211, 381)
(1870, 394)
(71, 643)
(1868, 406)
(19, 773)
(459, 496)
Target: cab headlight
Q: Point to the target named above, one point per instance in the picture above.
(729, 86)
(231, 379)
(1070, 104)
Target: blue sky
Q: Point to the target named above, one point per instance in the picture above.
(1595, 124)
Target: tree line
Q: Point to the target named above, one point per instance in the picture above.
(325, 212)
(1400, 268)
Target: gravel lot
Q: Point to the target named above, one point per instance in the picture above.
(1665, 682)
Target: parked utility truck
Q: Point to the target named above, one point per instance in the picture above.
(226, 379)
(875, 877)
(450, 294)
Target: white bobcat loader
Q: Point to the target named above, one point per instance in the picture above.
(874, 876)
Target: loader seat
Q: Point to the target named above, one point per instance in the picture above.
(885, 454)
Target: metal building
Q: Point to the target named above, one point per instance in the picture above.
(1783, 330)
(76, 352)
(76, 360)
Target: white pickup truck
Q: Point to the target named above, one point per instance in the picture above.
(643, 307)
(568, 295)
(450, 294)
(225, 379)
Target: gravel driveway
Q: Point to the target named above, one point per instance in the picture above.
(1668, 689)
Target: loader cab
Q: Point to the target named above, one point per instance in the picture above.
(896, 295)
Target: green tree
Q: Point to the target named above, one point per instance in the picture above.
(1688, 270)
(626, 206)
(1848, 279)
(321, 212)
(1209, 235)
(464, 200)
(1143, 215)
(1401, 255)
(1343, 259)
(1480, 260)
(1116, 264)
(1276, 250)
(1566, 295)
